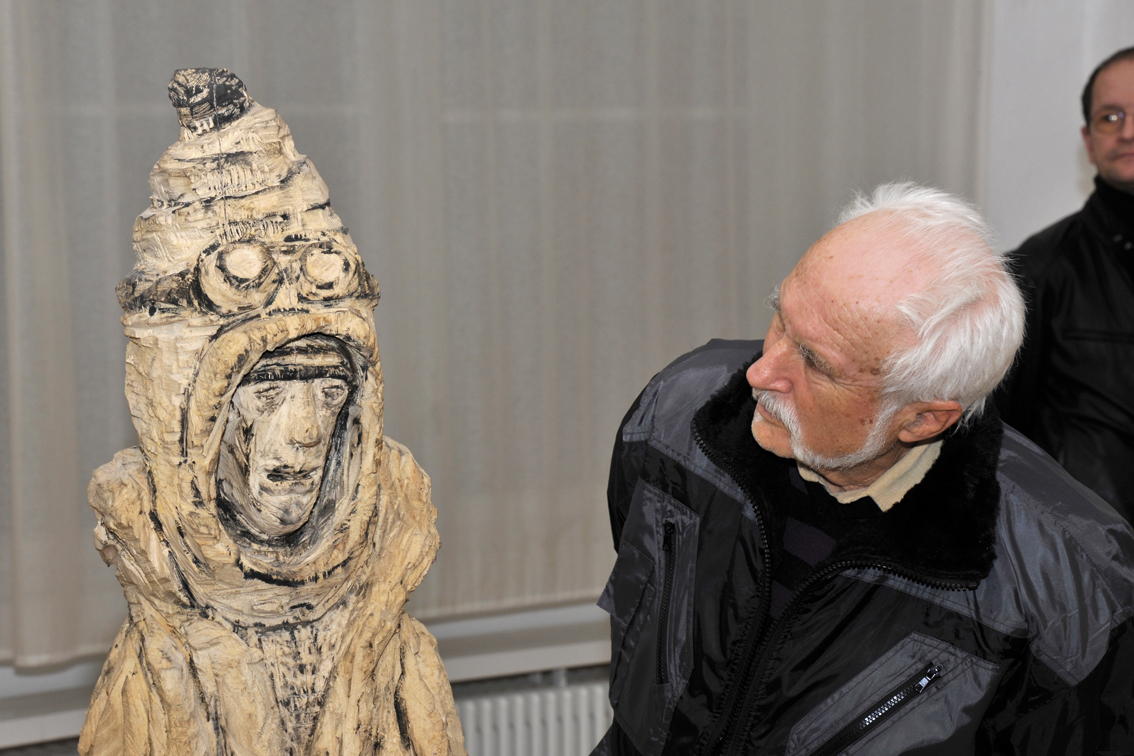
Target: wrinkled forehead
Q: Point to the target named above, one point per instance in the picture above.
(847, 288)
(304, 359)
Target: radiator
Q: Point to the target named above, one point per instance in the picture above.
(561, 721)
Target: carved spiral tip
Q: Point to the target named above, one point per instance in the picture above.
(207, 99)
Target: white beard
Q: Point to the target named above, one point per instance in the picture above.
(871, 448)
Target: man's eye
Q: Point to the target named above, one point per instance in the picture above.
(814, 363)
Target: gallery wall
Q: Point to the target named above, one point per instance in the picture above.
(557, 198)
(1041, 56)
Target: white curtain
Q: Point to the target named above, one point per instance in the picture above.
(557, 197)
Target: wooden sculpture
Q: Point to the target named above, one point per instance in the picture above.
(265, 532)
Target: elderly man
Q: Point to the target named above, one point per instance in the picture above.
(829, 543)
(1073, 391)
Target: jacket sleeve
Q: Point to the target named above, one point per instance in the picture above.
(625, 464)
(1045, 716)
(1019, 395)
(615, 743)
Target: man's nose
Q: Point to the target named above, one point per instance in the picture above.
(1127, 129)
(767, 373)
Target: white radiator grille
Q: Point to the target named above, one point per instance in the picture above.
(566, 721)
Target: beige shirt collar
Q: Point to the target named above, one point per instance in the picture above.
(893, 484)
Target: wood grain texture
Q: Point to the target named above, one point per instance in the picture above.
(265, 532)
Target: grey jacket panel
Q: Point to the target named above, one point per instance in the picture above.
(652, 636)
(1061, 578)
(668, 403)
(1069, 564)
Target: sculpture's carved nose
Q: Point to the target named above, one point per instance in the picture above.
(300, 420)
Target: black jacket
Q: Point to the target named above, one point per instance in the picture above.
(1072, 391)
(993, 606)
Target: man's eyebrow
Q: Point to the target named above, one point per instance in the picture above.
(1109, 106)
(773, 300)
(815, 360)
(806, 352)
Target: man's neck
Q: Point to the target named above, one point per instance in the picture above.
(1127, 191)
(892, 485)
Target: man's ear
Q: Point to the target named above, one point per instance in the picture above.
(1085, 132)
(929, 419)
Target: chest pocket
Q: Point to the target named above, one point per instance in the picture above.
(923, 693)
(650, 601)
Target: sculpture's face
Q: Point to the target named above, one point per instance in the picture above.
(290, 425)
(280, 427)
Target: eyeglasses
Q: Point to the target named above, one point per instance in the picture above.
(1108, 121)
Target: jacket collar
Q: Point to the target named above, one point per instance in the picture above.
(1110, 212)
(942, 531)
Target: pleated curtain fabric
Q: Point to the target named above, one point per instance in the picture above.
(557, 197)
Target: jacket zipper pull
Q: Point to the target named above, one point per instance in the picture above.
(885, 708)
(930, 676)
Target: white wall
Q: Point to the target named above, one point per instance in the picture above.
(1042, 53)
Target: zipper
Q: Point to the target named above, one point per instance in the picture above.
(721, 737)
(729, 738)
(729, 735)
(878, 713)
(667, 589)
(750, 645)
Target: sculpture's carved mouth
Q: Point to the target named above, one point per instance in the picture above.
(290, 481)
(285, 474)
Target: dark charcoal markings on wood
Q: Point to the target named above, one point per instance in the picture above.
(267, 609)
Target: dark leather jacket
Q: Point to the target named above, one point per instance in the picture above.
(989, 611)
(1072, 391)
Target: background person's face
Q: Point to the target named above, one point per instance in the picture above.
(1113, 154)
(285, 427)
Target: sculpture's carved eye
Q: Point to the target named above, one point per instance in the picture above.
(331, 392)
(328, 271)
(238, 277)
(266, 396)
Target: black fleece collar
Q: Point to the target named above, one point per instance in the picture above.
(942, 531)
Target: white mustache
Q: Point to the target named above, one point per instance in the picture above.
(778, 409)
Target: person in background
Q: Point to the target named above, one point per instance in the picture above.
(1073, 389)
(828, 540)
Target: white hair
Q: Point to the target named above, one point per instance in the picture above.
(969, 318)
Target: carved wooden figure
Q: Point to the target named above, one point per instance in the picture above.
(265, 532)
